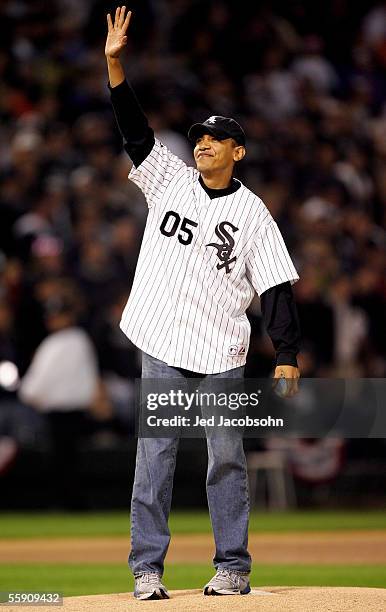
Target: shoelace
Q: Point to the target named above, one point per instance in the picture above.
(225, 576)
(152, 579)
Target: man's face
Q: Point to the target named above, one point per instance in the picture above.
(212, 155)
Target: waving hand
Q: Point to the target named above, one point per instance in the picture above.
(116, 34)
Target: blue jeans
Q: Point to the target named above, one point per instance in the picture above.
(226, 486)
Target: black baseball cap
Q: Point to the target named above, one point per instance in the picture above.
(218, 127)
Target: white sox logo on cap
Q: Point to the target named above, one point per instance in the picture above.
(219, 127)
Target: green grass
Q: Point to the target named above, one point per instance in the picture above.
(31, 525)
(83, 579)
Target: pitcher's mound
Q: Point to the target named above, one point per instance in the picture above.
(273, 599)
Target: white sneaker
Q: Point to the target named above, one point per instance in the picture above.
(228, 583)
(149, 586)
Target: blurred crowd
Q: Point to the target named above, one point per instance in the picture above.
(307, 82)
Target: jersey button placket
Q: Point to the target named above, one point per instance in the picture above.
(191, 265)
(192, 261)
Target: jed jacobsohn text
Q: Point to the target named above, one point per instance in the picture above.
(220, 421)
(233, 401)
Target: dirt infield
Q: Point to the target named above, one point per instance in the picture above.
(266, 599)
(338, 547)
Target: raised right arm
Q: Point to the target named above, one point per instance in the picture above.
(138, 137)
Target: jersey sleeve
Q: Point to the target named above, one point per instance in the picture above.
(269, 263)
(156, 172)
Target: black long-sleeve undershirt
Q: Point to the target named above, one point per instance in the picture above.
(138, 136)
(281, 321)
(277, 303)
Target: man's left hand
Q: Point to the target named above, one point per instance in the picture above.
(291, 375)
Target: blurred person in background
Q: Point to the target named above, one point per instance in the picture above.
(124, 246)
(62, 383)
(119, 362)
(312, 306)
(350, 329)
(369, 295)
(312, 66)
(97, 274)
(43, 273)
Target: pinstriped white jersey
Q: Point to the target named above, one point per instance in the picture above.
(200, 263)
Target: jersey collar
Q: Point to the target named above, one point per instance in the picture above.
(219, 193)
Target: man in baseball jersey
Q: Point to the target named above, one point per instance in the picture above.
(209, 245)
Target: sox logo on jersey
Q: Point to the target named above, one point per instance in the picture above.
(190, 292)
(224, 249)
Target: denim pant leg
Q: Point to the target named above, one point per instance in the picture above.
(152, 489)
(150, 504)
(228, 496)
